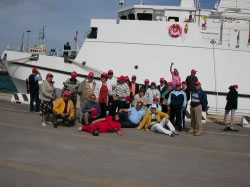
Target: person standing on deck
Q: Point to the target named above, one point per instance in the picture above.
(162, 88)
(146, 85)
(34, 78)
(175, 75)
(66, 48)
(232, 104)
(151, 93)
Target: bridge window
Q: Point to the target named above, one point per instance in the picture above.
(175, 19)
(144, 16)
(123, 17)
(131, 17)
(93, 33)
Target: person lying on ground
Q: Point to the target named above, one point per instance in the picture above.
(103, 125)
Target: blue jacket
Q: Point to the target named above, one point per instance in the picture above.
(203, 99)
(177, 98)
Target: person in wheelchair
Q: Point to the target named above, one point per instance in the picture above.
(64, 109)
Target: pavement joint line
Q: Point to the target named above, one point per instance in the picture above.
(68, 175)
(135, 142)
(11, 109)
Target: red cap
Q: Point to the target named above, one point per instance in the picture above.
(66, 94)
(146, 81)
(94, 113)
(128, 98)
(121, 78)
(110, 71)
(178, 84)
(193, 71)
(153, 83)
(134, 77)
(162, 79)
(126, 78)
(155, 98)
(49, 75)
(197, 83)
(104, 75)
(170, 84)
(236, 86)
(91, 75)
(74, 74)
(34, 70)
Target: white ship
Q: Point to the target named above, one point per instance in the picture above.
(144, 40)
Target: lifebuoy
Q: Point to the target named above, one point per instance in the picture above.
(175, 30)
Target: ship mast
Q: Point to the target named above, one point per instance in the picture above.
(41, 38)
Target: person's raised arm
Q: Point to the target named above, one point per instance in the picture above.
(171, 70)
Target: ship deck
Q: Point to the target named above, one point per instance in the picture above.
(33, 155)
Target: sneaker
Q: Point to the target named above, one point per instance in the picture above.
(96, 132)
(197, 133)
(175, 133)
(190, 132)
(43, 124)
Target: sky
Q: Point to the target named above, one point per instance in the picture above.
(61, 18)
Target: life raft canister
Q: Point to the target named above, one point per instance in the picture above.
(175, 30)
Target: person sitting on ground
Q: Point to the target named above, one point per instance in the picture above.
(177, 103)
(47, 98)
(156, 122)
(175, 75)
(146, 85)
(140, 97)
(91, 110)
(151, 93)
(232, 103)
(103, 125)
(64, 109)
(131, 117)
(156, 101)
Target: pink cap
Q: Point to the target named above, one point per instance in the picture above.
(49, 75)
(236, 86)
(162, 79)
(91, 75)
(122, 78)
(134, 77)
(153, 83)
(110, 71)
(66, 94)
(104, 75)
(126, 78)
(74, 74)
(146, 81)
(178, 84)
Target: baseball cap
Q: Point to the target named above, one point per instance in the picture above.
(91, 75)
(197, 83)
(104, 75)
(74, 74)
(153, 83)
(134, 77)
(162, 79)
(170, 84)
(193, 71)
(34, 70)
(66, 94)
(236, 86)
(49, 75)
(154, 106)
(146, 81)
(110, 71)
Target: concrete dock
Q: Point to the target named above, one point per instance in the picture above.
(32, 155)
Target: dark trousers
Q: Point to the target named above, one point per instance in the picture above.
(103, 109)
(183, 118)
(126, 123)
(176, 116)
(117, 105)
(110, 103)
(66, 121)
(34, 96)
(74, 100)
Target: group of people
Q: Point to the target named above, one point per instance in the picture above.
(112, 104)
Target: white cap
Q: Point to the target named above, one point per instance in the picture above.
(153, 106)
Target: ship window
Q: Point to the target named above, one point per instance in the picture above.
(176, 19)
(131, 17)
(123, 17)
(144, 16)
(93, 33)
